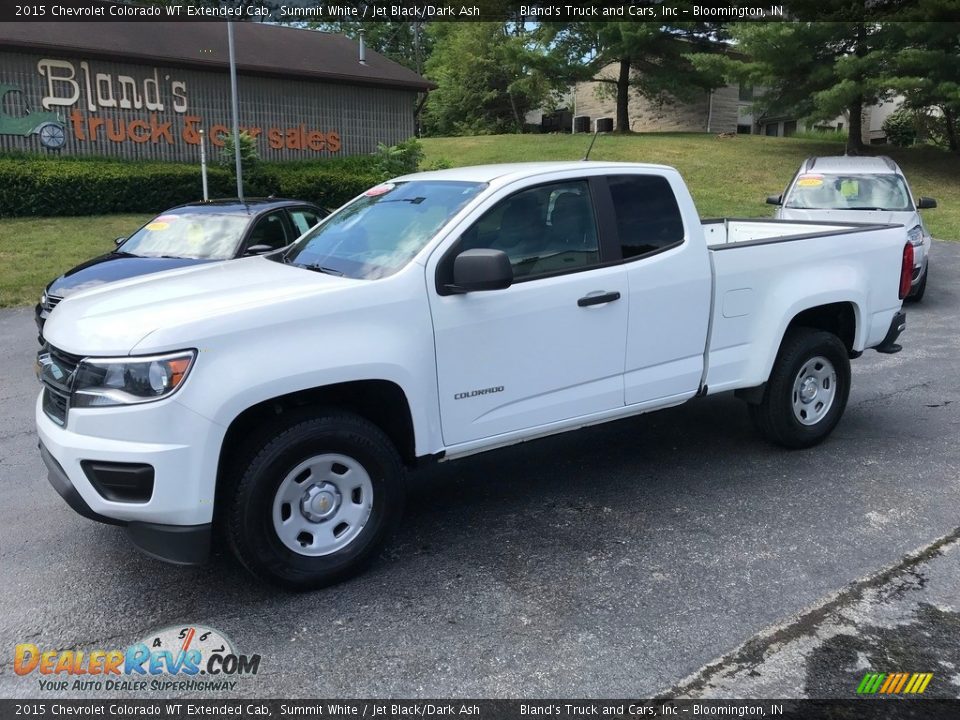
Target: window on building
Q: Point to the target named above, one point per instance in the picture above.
(744, 129)
(789, 128)
(746, 93)
(648, 218)
(771, 129)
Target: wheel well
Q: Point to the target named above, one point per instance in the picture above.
(837, 318)
(381, 402)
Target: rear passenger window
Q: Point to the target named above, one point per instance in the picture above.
(648, 218)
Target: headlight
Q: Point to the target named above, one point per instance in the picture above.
(43, 299)
(915, 235)
(99, 382)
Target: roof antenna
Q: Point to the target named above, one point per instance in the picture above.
(603, 125)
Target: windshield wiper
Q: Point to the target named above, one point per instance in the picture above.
(322, 269)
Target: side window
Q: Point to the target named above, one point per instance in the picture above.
(304, 219)
(648, 218)
(542, 230)
(269, 230)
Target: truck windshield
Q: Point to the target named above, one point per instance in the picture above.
(381, 231)
(849, 192)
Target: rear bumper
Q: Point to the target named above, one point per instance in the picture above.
(889, 343)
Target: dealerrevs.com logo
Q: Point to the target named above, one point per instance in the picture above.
(178, 658)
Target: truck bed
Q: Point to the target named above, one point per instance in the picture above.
(762, 268)
(729, 231)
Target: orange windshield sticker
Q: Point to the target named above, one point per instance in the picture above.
(810, 181)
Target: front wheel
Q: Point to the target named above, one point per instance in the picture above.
(316, 501)
(807, 390)
(51, 135)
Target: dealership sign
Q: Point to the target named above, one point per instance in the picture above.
(93, 107)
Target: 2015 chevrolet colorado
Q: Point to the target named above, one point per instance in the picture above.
(282, 397)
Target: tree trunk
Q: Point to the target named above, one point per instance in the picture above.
(950, 120)
(623, 97)
(855, 133)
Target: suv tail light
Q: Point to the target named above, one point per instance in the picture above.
(906, 270)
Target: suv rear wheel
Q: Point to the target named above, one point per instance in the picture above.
(316, 500)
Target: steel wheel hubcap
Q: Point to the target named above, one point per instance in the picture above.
(322, 504)
(814, 390)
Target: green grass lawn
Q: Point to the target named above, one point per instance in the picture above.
(729, 177)
(33, 251)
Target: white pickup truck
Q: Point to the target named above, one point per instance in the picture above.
(281, 398)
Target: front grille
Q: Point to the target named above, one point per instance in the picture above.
(55, 405)
(51, 303)
(56, 374)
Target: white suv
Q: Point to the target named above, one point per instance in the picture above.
(859, 189)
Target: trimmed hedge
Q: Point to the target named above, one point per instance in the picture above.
(31, 185)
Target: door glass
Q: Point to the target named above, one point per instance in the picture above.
(542, 230)
(269, 230)
(648, 218)
(303, 219)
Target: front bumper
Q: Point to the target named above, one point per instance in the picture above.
(178, 544)
(173, 524)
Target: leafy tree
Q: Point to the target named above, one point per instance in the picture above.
(814, 70)
(925, 68)
(651, 58)
(406, 43)
(489, 75)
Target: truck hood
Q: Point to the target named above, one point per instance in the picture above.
(883, 217)
(115, 318)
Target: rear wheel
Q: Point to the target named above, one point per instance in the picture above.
(807, 390)
(316, 501)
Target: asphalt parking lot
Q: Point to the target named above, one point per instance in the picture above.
(622, 561)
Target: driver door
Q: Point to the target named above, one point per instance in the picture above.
(550, 347)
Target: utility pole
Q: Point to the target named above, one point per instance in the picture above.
(236, 111)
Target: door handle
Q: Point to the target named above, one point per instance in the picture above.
(588, 300)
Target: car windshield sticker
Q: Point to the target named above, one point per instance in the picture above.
(380, 190)
(161, 222)
(810, 181)
(849, 188)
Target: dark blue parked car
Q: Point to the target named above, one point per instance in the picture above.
(187, 235)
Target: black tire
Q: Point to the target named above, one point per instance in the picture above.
(248, 515)
(917, 295)
(774, 416)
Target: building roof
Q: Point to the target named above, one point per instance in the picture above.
(261, 49)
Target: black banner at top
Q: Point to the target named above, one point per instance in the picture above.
(305, 11)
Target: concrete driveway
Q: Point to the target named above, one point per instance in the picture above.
(615, 562)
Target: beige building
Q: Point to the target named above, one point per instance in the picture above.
(727, 109)
(718, 111)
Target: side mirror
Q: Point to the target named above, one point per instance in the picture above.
(258, 249)
(119, 241)
(926, 203)
(774, 199)
(481, 269)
